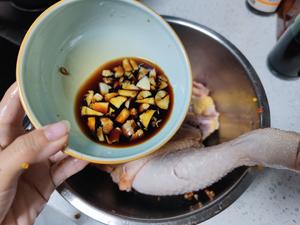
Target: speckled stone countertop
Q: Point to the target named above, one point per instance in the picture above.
(274, 196)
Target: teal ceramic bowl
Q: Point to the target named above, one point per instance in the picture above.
(82, 35)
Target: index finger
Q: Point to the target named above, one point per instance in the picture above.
(11, 116)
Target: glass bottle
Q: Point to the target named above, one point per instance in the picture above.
(284, 59)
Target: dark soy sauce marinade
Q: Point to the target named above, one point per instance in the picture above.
(93, 84)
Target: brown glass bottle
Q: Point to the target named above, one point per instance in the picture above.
(287, 13)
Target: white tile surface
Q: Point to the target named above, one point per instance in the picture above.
(274, 196)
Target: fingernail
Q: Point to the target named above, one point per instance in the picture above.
(57, 130)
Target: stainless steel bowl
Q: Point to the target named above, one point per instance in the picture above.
(234, 85)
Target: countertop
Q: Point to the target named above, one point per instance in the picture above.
(274, 196)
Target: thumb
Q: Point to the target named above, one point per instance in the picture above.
(33, 147)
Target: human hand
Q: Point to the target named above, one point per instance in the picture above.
(31, 165)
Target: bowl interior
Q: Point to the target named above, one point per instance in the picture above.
(82, 35)
(233, 84)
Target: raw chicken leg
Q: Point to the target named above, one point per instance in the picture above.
(193, 169)
(186, 137)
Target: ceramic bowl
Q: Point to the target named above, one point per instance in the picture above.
(82, 35)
